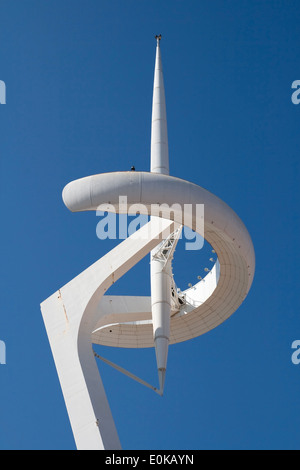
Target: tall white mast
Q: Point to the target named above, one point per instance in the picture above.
(161, 273)
(159, 131)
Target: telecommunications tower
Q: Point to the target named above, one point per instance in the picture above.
(82, 313)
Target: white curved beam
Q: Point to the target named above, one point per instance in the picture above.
(223, 229)
(70, 317)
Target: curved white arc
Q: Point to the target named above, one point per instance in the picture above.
(223, 229)
(150, 190)
(128, 321)
(200, 292)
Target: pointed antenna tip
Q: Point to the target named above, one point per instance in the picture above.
(161, 377)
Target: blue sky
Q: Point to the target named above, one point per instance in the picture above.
(79, 78)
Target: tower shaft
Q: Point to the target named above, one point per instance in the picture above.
(159, 131)
(161, 274)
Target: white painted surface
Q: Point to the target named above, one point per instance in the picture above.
(159, 131)
(79, 314)
(223, 229)
(160, 274)
(71, 315)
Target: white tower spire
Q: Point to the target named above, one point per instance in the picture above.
(161, 273)
(159, 132)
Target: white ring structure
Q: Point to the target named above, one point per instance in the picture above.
(223, 229)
